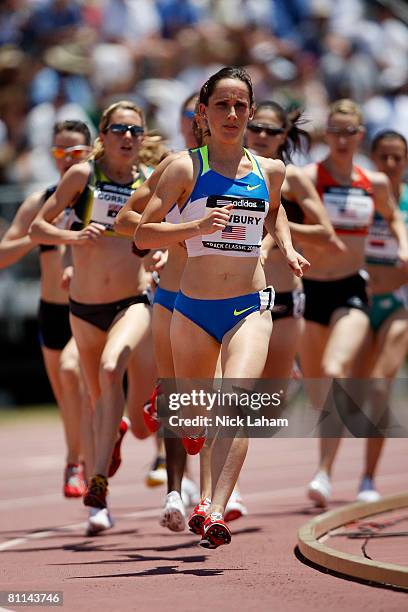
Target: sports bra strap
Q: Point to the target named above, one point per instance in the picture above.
(203, 156)
(97, 172)
(97, 175)
(205, 166)
(256, 169)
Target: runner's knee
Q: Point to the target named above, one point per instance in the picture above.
(69, 369)
(139, 430)
(110, 374)
(333, 369)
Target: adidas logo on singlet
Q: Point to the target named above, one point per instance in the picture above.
(246, 203)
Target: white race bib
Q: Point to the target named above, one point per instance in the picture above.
(245, 226)
(108, 200)
(381, 246)
(349, 208)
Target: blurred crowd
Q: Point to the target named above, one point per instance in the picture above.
(70, 58)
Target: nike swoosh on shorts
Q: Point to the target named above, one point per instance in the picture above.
(238, 312)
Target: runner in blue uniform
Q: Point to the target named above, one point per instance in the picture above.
(225, 195)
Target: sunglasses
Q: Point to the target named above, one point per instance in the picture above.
(122, 128)
(257, 128)
(76, 152)
(348, 131)
(188, 114)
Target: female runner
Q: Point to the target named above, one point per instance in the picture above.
(110, 312)
(71, 145)
(274, 134)
(225, 196)
(388, 337)
(179, 489)
(337, 306)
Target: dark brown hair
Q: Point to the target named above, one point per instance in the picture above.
(387, 134)
(73, 126)
(296, 139)
(229, 72)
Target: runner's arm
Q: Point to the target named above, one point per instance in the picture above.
(129, 216)
(175, 185)
(16, 242)
(71, 186)
(317, 223)
(385, 204)
(276, 221)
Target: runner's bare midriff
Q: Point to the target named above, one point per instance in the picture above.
(51, 276)
(386, 279)
(225, 277)
(106, 272)
(332, 266)
(172, 272)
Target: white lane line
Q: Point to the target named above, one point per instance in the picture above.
(12, 543)
(39, 535)
(271, 494)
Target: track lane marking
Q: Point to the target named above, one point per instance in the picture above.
(155, 512)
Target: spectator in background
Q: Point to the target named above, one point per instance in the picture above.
(38, 164)
(11, 18)
(345, 15)
(288, 16)
(129, 45)
(53, 22)
(308, 52)
(176, 15)
(65, 73)
(58, 91)
(129, 21)
(347, 70)
(316, 27)
(389, 108)
(13, 109)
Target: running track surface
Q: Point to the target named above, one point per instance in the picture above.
(141, 566)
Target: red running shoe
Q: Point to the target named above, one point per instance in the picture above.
(215, 531)
(151, 419)
(95, 497)
(193, 444)
(197, 518)
(235, 507)
(74, 482)
(116, 456)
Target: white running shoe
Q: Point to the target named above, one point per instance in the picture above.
(174, 515)
(235, 507)
(99, 520)
(367, 491)
(189, 492)
(319, 489)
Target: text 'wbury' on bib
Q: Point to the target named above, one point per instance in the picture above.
(245, 226)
